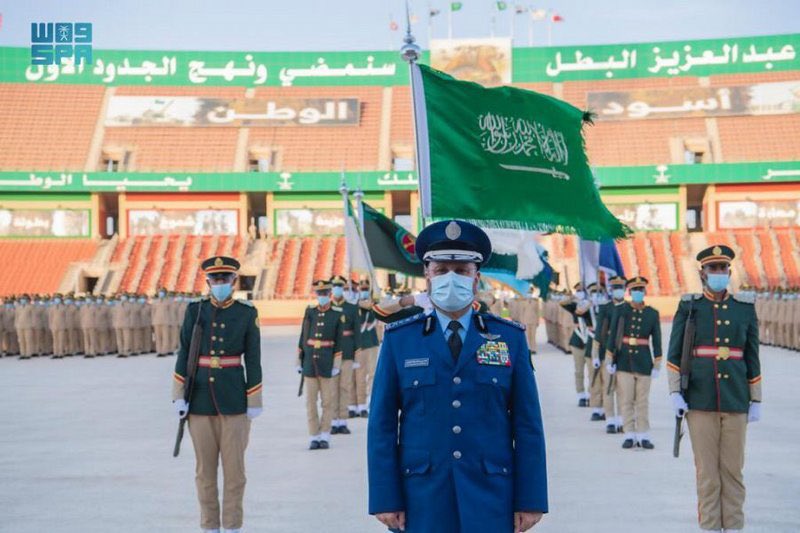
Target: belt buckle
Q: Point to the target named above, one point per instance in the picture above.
(632, 341)
(723, 352)
(215, 362)
(317, 345)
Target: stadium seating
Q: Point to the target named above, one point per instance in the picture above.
(37, 266)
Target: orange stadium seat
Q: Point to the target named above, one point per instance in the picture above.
(169, 263)
(625, 255)
(790, 266)
(767, 257)
(339, 256)
(31, 137)
(659, 245)
(51, 257)
(749, 256)
(640, 250)
(677, 253)
(285, 269)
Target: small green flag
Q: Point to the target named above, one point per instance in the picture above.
(502, 6)
(505, 157)
(456, 6)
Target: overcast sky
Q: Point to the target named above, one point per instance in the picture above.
(265, 25)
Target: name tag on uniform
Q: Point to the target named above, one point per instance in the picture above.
(413, 363)
(494, 353)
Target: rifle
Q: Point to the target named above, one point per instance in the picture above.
(686, 369)
(191, 372)
(603, 334)
(617, 346)
(303, 338)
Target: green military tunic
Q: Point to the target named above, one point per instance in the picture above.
(639, 325)
(320, 342)
(351, 331)
(725, 371)
(369, 335)
(604, 317)
(230, 331)
(571, 307)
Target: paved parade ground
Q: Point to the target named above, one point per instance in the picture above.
(86, 446)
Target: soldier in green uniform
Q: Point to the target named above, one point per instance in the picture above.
(578, 306)
(604, 317)
(319, 360)
(635, 325)
(227, 394)
(724, 391)
(351, 344)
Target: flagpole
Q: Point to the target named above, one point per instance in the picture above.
(343, 192)
(410, 53)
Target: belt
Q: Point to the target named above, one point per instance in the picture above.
(347, 333)
(718, 352)
(635, 341)
(219, 362)
(319, 344)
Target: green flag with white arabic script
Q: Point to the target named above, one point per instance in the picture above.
(505, 157)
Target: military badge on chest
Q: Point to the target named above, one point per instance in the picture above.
(494, 353)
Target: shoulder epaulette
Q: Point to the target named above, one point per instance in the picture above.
(691, 296)
(405, 321)
(744, 298)
(248, 303)
(505, 321)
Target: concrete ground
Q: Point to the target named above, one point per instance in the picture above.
(86, 446)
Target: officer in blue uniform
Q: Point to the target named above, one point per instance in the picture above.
(455, 438)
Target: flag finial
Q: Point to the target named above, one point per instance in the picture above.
(409, 51)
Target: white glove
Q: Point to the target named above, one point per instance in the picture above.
(612, 368)
(595, 363)
(678, 403)
(253, 412)
(335, 372)
(299, 369)
(422, 300)
(754, 414)
(181, 407)
(356, 365)
(654, 373)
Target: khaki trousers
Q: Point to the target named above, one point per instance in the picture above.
(162, 339)
(596, 392)
(583, 365)
(322, 388)
(127, 341)
(633, 393)
(372, 364)
(59, 342)
(120, 340)
(718, 445)
(363, 359)
(213, 437)
(27, 339)
(75, 341)
(343, 390)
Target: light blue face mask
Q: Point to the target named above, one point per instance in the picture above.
(364, 295)
(618, 294)
(323, 300)
(57, 301)
(717, 282)
(451, 291)
(337, 292)
(161, 294)
(637, 296)
(222, 291)
(123, 299)
(580, 295)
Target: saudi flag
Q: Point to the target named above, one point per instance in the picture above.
(456, 6)
(505, 158)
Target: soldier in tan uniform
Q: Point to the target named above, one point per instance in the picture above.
(24, 326)
(118, 322)
(74, 336)
(86, 317)
(47, 302)
(102, 326)
(160, 317)
(57, 322)
(38, 315)
(796, 321)
(145, 330)
(530, 317)
(10, 343)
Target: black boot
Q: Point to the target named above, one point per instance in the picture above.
(351, 413)
(343, 430)
(597, 417)
(611, 429)
(314, 445)
(323, 445)
(647, 445)
(364, 413)
(334, 430)
(628, 444)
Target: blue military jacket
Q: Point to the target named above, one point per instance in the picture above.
(459, 446)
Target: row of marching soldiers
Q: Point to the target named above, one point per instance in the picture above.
(339, 343)
(64, 325)
(778, 312)
(610, 341)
